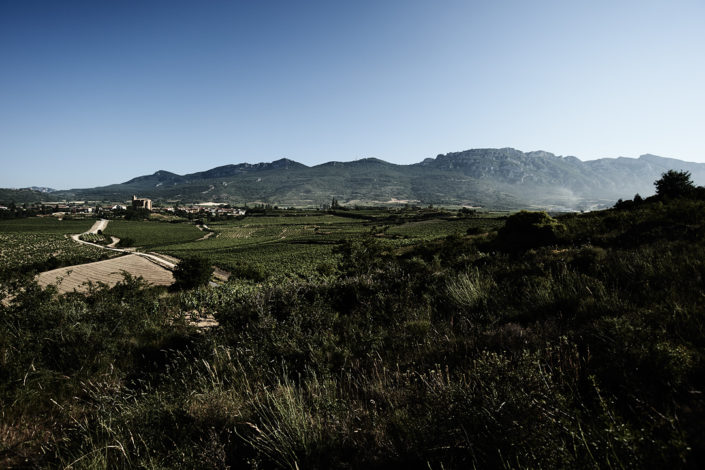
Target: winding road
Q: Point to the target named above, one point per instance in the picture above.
(75, 278)
(102, 225)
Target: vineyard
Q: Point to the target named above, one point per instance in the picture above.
(305, 245)
(95, 238)
(298, 243)
(45, 225)
(152, 234)
(37, 244)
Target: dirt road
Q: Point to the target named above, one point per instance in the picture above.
(101, 225)
(154, 268)
(98, 226)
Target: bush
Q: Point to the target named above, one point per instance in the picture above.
(525, 230)
(126, 242)
(192, 272)
(244, 270)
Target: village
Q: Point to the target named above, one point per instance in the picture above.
(116, 209)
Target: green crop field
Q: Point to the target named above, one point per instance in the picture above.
(272, 245)
(151, 234)
(45, 225)
(434, 228)
(304, 245)
(301, 243)
(41, 243)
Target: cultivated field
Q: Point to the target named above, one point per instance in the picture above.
(110, 272)
(290, 243)
(45, 225)
(303, 244)
(150, 234)
(430, 229)
(37, 244)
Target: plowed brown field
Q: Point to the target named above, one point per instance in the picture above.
(109, 271)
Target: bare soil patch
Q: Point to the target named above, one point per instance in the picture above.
(109, 271)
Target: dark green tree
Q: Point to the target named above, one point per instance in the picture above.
(133, 213)
(192, 272)
(674, 184)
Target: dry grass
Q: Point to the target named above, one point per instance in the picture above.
(109, 271)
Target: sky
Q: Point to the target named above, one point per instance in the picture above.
(98, 92)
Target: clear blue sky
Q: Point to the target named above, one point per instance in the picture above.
(97, 92)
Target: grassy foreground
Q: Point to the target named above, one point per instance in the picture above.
(575, 342)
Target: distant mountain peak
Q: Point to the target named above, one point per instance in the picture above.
(491, 177)
(159, 176)
(286, 163)
(367, 160)
(540, 154)
(42, 189)
(227, 171)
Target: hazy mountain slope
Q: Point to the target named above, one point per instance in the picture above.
(639, 174)
(23, 195)
(497, 178)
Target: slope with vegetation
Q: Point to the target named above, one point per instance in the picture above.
(568, 342)
(492, 178)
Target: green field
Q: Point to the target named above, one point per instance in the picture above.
(300, 243)
(434, 228)
(285, 245)
(305, 245)
(42, 243)
(45, 225)
(150, 234)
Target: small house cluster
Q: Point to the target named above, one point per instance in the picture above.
(60, 209)
(214, 211)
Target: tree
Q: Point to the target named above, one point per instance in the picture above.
(134, 213)
(674, 184)
(192, 272)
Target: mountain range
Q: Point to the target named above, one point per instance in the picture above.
(492, 178)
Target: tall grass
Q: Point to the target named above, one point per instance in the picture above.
(442, 355)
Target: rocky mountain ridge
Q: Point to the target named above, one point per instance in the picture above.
(503, 178)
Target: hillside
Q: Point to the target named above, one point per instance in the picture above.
(420, 339)
(20, 196)
(494, 178)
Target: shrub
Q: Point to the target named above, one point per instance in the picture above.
(470, 292)
(192, 272)
(244, 270)
(526, 229)
(126, 242)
